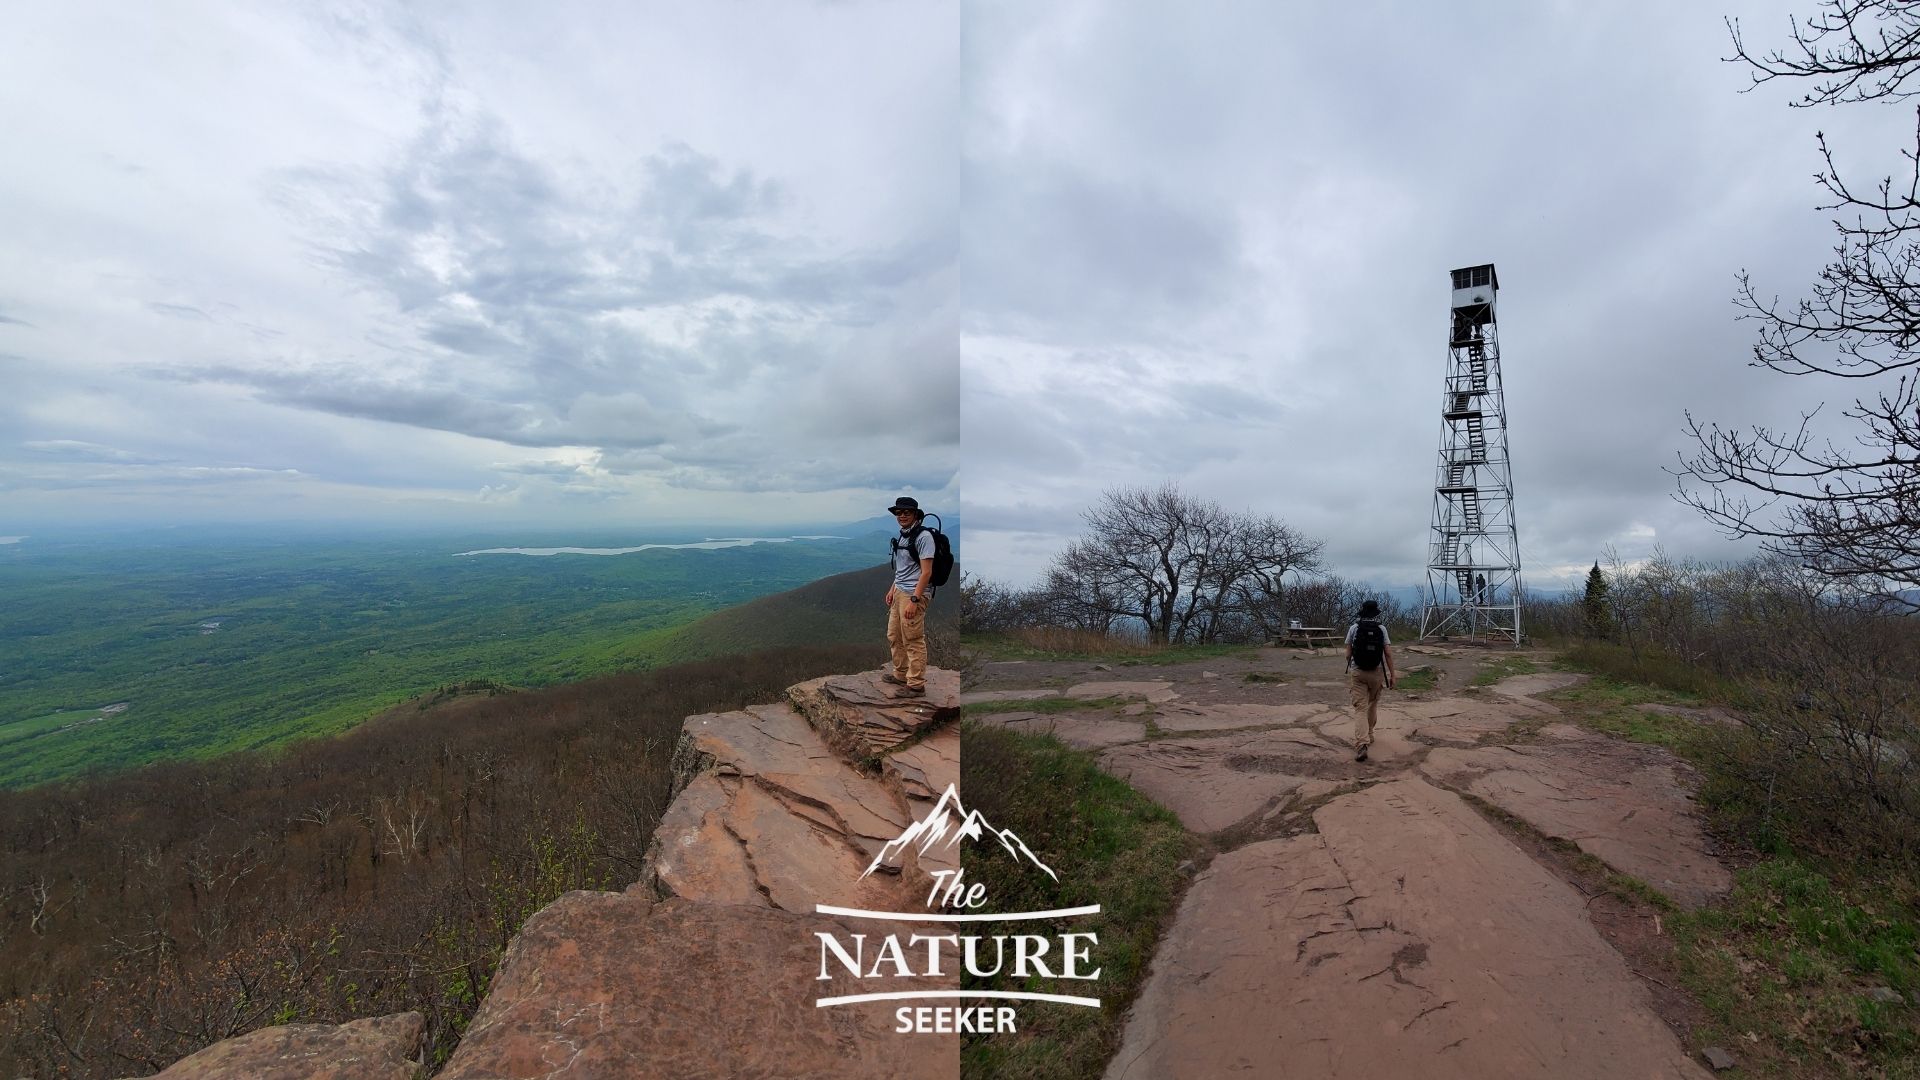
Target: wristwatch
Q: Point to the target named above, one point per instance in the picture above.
(916, 598)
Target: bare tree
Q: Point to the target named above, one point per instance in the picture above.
(1855, 50)
(1849, 510)
(1182, 566)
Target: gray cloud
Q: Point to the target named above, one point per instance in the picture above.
(179, 311)
(1042, 254)
(483, 257)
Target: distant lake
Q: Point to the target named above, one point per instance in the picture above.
(703, 545)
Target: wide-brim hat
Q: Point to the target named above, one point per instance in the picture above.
(905, 503)
(1369, 609)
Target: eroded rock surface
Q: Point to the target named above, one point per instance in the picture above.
(1213, 783)
(708, 967)
(1406, 937)
(608, 985)
(1079, 732)
(1625, 803)
(859, 715)
(377, 1048)
(1540, 682)
(773, 817)
(1152, 689)
(1457, 718)
(975, 696)
(780, 808)
(1221, 716)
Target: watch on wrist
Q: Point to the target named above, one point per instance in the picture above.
(916, 598)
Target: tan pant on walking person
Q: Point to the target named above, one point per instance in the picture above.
(907, 634)
(1365, 688)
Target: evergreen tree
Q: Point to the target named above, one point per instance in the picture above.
(1599, 623)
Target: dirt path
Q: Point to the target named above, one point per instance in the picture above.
(1364, 919)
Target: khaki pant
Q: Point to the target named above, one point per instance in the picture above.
(1365, 687)
(908, 637)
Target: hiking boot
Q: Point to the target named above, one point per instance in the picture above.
(890, 677)
(910, 692)
(1362, 755)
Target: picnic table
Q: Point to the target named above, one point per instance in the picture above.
(1311, 635)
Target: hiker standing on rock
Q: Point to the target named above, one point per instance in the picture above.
(913, 552)
(1369, 670)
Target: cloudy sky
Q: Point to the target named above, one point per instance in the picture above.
(478, 262)
(1210, 243)
(726, 262)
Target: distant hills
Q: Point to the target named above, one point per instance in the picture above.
(118, 651)
(842, 609)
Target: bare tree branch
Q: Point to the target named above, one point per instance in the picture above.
(1850, 511)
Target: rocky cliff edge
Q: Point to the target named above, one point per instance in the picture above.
(709, 966)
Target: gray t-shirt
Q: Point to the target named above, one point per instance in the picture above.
(906, 566)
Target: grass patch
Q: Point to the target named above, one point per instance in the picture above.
(1504, 668)
(1651, 669)
(1424, 677)
(1789, 959)
(1676, 733)
(1057, 643)
(1783, 967)
(1110, 846)
(1044, 705)
(1609, 705)
(1610, 702)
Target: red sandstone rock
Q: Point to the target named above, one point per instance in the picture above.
(1215, 782)
(1406, 938)
(923, 770)
(1625, 803)
(1223, 716)
(774, 818)
(603, 985)
(1155, 690)
(377, 1048)
(859, 716)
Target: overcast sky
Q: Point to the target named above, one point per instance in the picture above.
(738, 261)
(480, 262)
(1210, 243)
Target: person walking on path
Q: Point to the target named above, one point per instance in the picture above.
(1369, 670)
(913, 552)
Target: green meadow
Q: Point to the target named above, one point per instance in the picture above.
(212, 643)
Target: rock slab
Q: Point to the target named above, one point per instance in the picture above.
(1079, 732)
(859, 716)
(1212, 783)
(377, 1048)
(770, 816)
(1329, 955)
(605, 985)
(1626, 804)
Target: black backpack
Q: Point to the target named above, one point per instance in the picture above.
(942, 550)
(1369, 645)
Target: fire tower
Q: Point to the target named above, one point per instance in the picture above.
(1473, 554)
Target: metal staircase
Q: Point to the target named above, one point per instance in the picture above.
(1473, 570)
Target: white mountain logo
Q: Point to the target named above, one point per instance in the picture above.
(948, 825)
